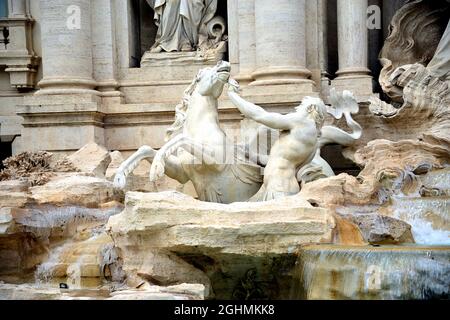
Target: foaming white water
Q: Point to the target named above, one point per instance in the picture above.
(45, 272)
(424, 233)
(429, 218)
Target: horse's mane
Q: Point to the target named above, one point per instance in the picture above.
(180, 111)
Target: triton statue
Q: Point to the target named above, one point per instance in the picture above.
(197, 148)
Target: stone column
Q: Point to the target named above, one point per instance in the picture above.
(104, 48)
(316, 42)
(233, 35)
(66, 48)
(323, 39)
(353, 46)
(280, 42)
(67, 112)
(247, 41)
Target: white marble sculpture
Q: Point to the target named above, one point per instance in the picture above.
(182, 24)
(297, 152)
(197, 148)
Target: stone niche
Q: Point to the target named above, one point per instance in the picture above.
(153, 73)
(146, 33)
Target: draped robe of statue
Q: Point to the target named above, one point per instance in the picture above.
(181, 23)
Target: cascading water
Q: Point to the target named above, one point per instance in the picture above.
(390, 272)
(46, 271)
(429, 218)
(48, 221)
(78, 255)
(427, 209)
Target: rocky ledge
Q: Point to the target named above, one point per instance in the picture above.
(214, 244)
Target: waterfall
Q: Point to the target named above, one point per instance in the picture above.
(48, 270)
(390, 272)
(78, 228)
(429, 218)
(46, 220)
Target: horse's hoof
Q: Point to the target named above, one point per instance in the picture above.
(120, 180)
(156, 171)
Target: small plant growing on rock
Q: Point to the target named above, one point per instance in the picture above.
(36, 167)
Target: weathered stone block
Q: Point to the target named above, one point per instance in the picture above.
(177, 222)
(92, 158)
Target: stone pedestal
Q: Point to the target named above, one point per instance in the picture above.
(61, 122)
(353, 73)
(170, 59)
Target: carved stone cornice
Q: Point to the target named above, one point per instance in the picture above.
(18, 55)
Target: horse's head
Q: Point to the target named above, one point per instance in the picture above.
(210, 81)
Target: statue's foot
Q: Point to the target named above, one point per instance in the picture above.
(186, 48)
(157, 49)
(157, 170)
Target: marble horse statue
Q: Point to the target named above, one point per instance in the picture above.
(198, 150)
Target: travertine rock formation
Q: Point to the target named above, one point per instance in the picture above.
(179, 223)
(92, 158)
(49, 202)
(168, 229)
(416, 30)
(380, 229)
(76, 189)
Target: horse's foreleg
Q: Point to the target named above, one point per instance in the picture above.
(144, 152)
(196, 149)
(173, 169)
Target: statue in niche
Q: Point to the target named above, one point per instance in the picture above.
(299, 145)
(187, 25)
(221, 170)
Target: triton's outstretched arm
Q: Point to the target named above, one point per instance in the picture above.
(258, 114)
